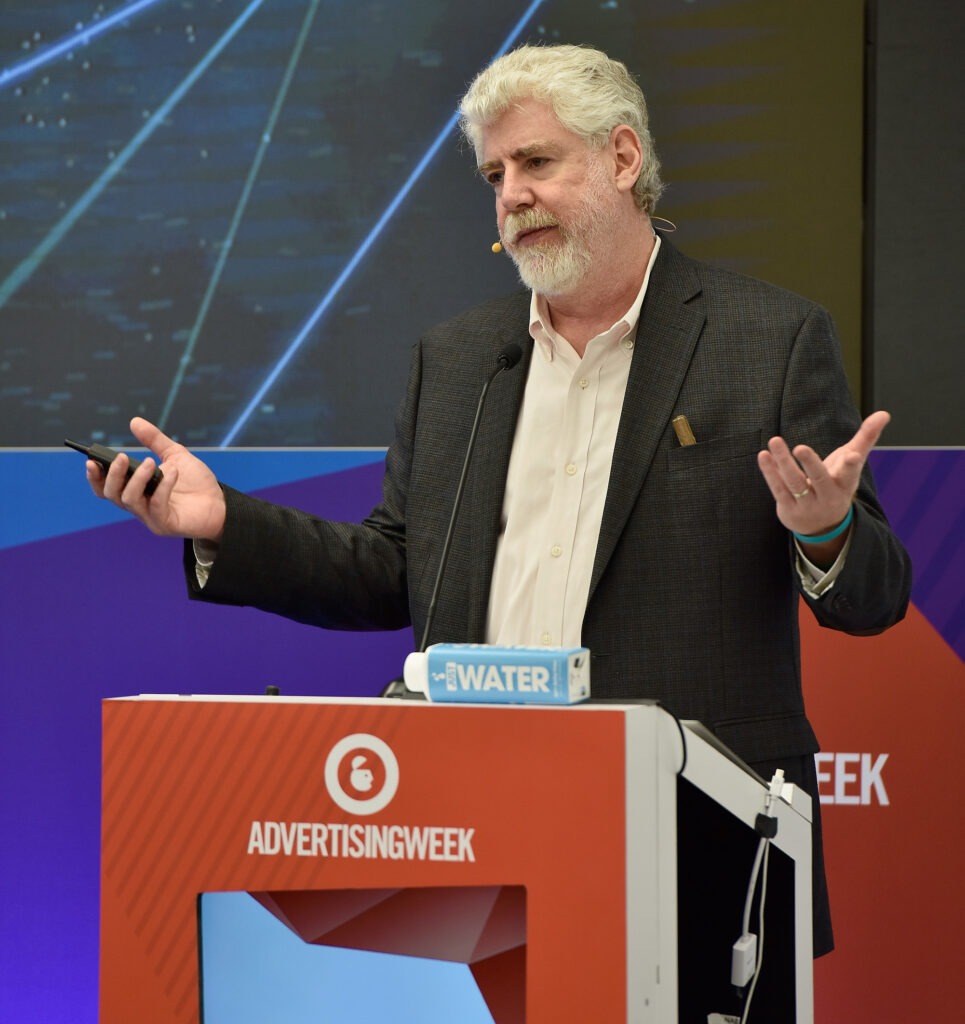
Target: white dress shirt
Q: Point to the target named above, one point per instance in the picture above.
(556, 486)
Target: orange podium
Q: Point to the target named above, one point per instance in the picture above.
(539, 845)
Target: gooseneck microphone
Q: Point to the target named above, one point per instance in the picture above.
(506, 360)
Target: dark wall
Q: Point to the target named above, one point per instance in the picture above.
(914, 361)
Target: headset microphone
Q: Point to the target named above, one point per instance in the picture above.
(497, 247)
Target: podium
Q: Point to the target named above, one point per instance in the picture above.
(536, 844)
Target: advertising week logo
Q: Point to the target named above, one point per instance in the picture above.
(362, 778)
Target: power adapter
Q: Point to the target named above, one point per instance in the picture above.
(743, 960)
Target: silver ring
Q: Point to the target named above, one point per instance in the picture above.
(798, 495)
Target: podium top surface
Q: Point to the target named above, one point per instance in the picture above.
(216, 698)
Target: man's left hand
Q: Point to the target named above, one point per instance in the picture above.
(813, 496)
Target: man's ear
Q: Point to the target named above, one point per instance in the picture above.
(627, 154)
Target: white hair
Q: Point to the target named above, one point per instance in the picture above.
(589, 93)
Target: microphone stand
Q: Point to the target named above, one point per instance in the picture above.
(506, 360)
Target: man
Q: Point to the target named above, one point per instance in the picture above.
(631, 489)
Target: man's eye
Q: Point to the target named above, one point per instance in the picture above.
(494, 178)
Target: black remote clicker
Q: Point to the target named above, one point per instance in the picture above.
(105, 456)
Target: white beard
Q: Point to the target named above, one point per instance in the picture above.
(553, 269)
(561, 264)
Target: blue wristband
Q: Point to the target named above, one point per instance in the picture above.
(831, 534)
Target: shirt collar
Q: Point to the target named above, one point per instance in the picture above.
(547, 339)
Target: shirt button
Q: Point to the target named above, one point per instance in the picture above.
(570, 469)
(556, 551)
(584, 383)
(627, 344)
(546, 639)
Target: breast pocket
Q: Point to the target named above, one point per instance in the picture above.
(716, 452)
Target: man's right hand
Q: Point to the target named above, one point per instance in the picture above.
(187, 503)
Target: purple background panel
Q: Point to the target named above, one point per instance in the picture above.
(923, 493)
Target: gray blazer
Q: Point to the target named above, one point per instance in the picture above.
(694, 598)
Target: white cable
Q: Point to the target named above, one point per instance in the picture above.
(751, 886)
(760, 936)
(749, 948)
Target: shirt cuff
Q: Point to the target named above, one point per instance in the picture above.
(817, 582)
(204, 556)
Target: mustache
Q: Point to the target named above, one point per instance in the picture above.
(517, 224)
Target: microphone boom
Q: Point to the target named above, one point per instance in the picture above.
(506, 360)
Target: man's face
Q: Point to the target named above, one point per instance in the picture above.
(555, 205)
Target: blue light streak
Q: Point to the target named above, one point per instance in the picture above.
(25, 269)
(80, 38)
(226, 246)
(299, 340)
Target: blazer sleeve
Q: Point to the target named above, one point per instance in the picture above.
(873, 589)
(323, 573)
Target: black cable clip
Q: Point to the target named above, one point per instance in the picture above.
(765, 825)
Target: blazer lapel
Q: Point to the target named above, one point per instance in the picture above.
(666, 337)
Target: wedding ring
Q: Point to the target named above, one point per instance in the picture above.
(798, 495)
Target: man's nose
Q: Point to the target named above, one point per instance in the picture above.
(515, 193)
